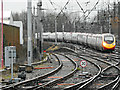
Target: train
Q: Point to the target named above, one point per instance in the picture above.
(102, 42)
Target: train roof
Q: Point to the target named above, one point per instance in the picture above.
(107, 34)
(80, 33)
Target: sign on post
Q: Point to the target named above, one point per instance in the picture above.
(10, 53)
(10, 57)
(83, 63)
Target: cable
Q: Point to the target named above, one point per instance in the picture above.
(117, 0)
(80, 7)
(92, 9)
(63, 8)
(52, 4)
(55, 4)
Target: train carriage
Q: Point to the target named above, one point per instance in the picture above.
(46, 36)
(99, 42)
(68, 37)
(85, 39)
(82, 38)
(60, 36)
(52, 36)
(74, 37)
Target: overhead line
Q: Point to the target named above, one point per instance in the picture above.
(63, 8)
(92, 9)
(80, 7)
(52, 4)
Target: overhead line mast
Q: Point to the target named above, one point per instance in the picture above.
(29, 28)
(40, 28)
(109, 17)
(119, 23)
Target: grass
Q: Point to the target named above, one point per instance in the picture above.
(8, 76)
(78, 69)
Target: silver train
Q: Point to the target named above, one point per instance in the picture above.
(103, 42)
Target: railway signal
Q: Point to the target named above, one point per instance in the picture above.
(44, 51)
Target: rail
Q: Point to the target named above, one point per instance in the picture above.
(54, 82)
(15, 86)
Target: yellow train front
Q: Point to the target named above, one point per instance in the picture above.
(108, 42)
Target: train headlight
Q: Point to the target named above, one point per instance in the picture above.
(104, 44)
(113, 43)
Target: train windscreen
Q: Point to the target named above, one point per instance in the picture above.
(109, 39)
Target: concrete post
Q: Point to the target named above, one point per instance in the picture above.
(29, 29)
(119, 23)
(56, 30)
(40, 28)
(63, 27)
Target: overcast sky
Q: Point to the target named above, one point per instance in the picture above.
(21, 5)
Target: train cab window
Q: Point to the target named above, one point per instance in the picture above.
(109, 39)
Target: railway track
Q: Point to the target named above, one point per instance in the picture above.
(33, 83)
(44, 83)
(77, 85)
(6, 71)
(47, 87)
(17, 86)
(113, 58)
(67, 74)
(110, 57)
(111, 65)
